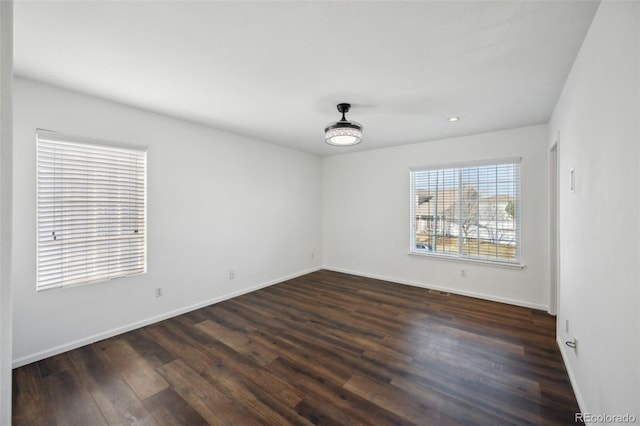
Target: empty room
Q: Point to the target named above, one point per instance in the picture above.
(319, 212)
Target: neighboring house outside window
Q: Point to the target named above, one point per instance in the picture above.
(91, 211)
(467, 211)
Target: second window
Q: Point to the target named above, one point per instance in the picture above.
(467, 211)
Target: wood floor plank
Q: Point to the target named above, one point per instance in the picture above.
(195, 357)
(460, 410)
(397, 401)
(270, 383)
(321, 412)
(147, 347)
(30, 400)
(238, 341)
(116, 400)
(71, 404)
(169, 409)
(324, 348)
(266, 410)
(303, 353)
(339, 360)
(55, 364)
(316, 386)
(135, 370)
(210, 403)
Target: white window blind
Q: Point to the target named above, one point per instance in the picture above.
(91, 211)
(470, 211)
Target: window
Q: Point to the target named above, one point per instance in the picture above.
(91, 212)
(470, 211)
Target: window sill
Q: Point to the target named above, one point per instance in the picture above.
(469, 260)
(86, 283)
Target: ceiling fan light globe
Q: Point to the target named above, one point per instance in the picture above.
(343, 133)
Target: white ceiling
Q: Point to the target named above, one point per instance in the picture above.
(275, 71)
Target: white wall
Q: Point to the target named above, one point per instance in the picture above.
(597, 117)
(6, 142)
(366, 216)
(216, 202)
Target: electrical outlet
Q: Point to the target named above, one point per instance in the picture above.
(463, 272)
(159, 292)
(313, 255)
(232, 274)
(566, 326)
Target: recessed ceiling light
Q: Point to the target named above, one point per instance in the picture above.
(453, 119)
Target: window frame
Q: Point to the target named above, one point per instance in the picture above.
(112, 150)
(460, 256)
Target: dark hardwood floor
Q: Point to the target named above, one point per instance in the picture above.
(325, 348)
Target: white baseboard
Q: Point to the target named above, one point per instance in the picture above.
(443, 288)
(128, 327)
(572, 377)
